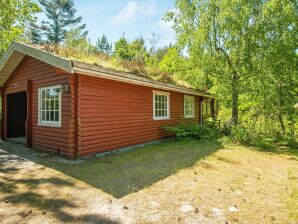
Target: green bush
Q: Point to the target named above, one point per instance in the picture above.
(226, 130)
(261, 142)
(289, 141)
(191, 130)
(241, 135)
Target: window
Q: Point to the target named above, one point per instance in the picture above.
(205, 110)
(189, 107)
(161, 105)
(49, 106)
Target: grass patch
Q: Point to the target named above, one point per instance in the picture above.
(92, 57)
(128, 172)
(152, 183)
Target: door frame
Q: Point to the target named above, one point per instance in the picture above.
(28, 122)
(12, 99)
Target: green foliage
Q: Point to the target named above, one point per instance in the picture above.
(134, 51)
(286, 140)
(15, 15)
(190, 130)
(156, 56)
(138, 50)
(61, 15)
(74, 38)
(245, 53)
(33, 33)
(171, 61)
(241, 135)
(103, 45)
(121, 50)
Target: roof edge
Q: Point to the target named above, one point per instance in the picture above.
(59, 62)
(98, 71)
(73, 66)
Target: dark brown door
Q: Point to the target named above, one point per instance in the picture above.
(16, 114)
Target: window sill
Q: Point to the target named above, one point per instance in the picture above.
(187, 117)
(161, 119)
(50, 125)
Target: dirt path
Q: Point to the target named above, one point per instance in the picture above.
(232, 185)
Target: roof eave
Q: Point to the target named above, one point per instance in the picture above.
(21, 50)
(98, 71)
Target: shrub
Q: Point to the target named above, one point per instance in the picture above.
(286, 140)
(192, 130)
(261, 142)
(226, 130)
(241, 135)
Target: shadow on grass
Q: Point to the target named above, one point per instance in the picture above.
(23, 191)
(124, 173)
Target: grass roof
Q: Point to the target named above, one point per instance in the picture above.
(102, 60)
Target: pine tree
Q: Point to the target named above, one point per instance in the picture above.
(103, 45)
(138, 50)
(122, 50)
(34, 33)
(61, 16)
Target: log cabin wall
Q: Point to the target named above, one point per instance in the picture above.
(43, 75)
(115, 114)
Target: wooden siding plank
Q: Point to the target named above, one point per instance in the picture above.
(115, 114)
(42, 74)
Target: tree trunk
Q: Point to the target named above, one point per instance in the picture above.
(281, 124)
(235, 93)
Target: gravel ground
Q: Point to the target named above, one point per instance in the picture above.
(231, 185)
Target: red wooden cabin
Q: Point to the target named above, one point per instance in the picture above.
(77, 109)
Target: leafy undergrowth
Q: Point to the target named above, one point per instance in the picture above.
(188, 181)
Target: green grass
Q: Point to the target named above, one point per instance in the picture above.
(202, 173)
(100, 59)
(124, 173)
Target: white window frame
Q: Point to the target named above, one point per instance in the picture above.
(167, 94)
(58, 123)
(193, 106)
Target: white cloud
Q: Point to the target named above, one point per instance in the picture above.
(133, 10)
(165, 25)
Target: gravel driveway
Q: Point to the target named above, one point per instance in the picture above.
(227, 186)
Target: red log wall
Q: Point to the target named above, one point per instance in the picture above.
(42, 75)
(98, 115)
(114, 114)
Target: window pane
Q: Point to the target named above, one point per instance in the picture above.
(46, 104)
(161, 105)
(43, 115)
(52, 116)
(53, 93)
(56, 115)
(57, 104)
(189, 106)
(47, 96)
(43, 102)
(51, 104)
(47, 115)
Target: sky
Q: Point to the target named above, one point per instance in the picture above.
(132, 17)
